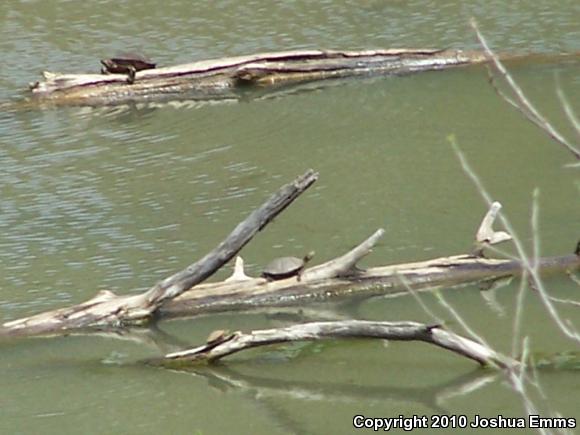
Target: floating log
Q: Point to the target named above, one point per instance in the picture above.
(222, 77)
(229, 78)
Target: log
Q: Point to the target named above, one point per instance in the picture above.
(457, 270)
(227, 79)
(220, 78)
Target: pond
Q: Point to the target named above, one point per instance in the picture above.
(118, 198)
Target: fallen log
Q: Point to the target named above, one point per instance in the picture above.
(224, 78)
(341, 277)
(376, 281)
(221, 75)
(182, 294)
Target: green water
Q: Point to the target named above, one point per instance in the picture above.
(120, 198)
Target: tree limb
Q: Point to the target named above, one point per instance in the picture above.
(401, 331)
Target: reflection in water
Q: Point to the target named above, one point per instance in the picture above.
(268, 391)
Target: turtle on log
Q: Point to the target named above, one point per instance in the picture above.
(126, 63)
(217, 336)
(286, 267)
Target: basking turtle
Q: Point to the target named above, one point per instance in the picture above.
(217, 336)
(285, 267)
(126, 63)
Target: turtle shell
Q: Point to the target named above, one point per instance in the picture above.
(217, 336)
(283, 267)
(121, 61)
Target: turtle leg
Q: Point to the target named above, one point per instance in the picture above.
(131, 74)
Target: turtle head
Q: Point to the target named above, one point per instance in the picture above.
(107, 62)
(308, 257)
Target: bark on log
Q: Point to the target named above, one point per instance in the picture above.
(222, 77)
(400, 331)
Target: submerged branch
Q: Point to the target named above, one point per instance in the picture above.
(400, 331)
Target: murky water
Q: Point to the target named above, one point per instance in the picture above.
(119, 198)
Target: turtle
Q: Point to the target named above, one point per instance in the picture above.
(285, 267)
(126, 63)
(217, 336)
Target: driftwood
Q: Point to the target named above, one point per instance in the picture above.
(224, 78)
(182, 294)
(401, 331)
(220, 76)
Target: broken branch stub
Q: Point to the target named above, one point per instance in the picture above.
(345, 264)
(486, 235)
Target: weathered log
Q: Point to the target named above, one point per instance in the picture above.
(384, 280)
(220, 77)
(228, 78)
(107, 309)
(402, 331)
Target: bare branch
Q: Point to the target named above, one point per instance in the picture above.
(522, 103)
(568, 110)
(173, 286)
(404, 331)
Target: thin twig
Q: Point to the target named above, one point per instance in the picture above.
(522, 104)
(420, 301)
(519, 313)
(570, 114)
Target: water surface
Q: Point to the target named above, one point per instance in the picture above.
(119, 198)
